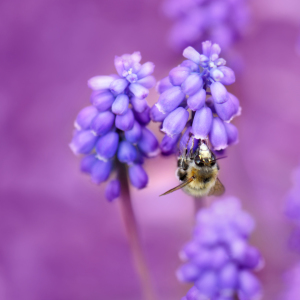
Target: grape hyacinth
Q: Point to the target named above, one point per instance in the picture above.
(114, 128)
(223, 21)
(219, 260)
(197, 84)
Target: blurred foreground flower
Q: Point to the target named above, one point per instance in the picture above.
(219, 259)
(198, 84)
(113, 129)
(223, 21)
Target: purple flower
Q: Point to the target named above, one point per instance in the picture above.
(198, 85)
(113, 128)
(219, 260)
(221, 21)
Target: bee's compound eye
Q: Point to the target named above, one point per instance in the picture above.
(198, 161)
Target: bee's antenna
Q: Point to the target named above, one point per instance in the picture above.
(220, 157)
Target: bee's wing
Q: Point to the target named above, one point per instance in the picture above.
(180, 186)
(218, 189)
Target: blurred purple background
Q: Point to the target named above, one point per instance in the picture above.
(60, 239)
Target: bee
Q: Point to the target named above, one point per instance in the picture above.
(198, 172)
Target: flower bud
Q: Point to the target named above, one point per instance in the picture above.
(146, 70)
(83, 142)
(206, 47)
(102, 100)
(163, 85)
(188, 273)
(138, 90)
(87, 163)
(143, 118)
(125, 122)
(100, 82)
(139, 105)
(119, 65)
(156, 115)
(197, 101)
(100, 171)
(249, 286)
(191, 65)
(107, 145)
(187, 141)
(103, 123)
(207, 284)
(227, 110)
(175, 122)
(118, 85)
(168, 144)
(134, 134)
(126, 152)
(170, 99)
(85, 117)
(217, 135)
(229, 76)
(218, 92)
(138, 177)
(191, 54)
(192, 84)
(178, 75)
(148, 143)
(232, 133)
(228, 276)
(147, 82)
(120, 105)
(202, 123)
(113, 190)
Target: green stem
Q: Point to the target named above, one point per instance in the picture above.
(133, 235)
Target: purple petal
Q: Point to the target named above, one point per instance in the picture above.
(192, 84)
(249, 285)
(178, 75)
(170, 99)
(228, 277)
(148, 143)
(136, 56)
(156, 115)
(85, 117)
(126, 152)
(203, 258)
(218, 92)
(138, 90)
(146, 70)
(163, 85)
(175, 122)
(219, 257)
(188, 273)
(216, 74)
(118, 85)
(100, 82)
(107, 145)
(87, 163)
(119, 65)
(207, 284)
(232, 133)
(191, 54)
(120, 105)
(138, 177)
(227, 110)
(218, 135)
(144, 117)
(202, 122)
(215, 50)
(103, 101)
(133, 135)
(147, 82)
(83, 142)
(103, 123)
(125, 122)
(236, 102)
(191, 65)
(194, 294)
(113, 190)
(100, 171)
(168, 144)
(206, 47)
(139, 105)
(251, 259)
(197, 101)
(229, 76)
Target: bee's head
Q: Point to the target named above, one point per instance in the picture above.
(205, 157)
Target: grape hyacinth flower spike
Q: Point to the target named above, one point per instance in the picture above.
(197, 85)
(219, 260)
(113, 137)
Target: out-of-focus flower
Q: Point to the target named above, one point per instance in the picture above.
(113, 128)
(292, 286)
(223, 21)
(219, 260)
(198, 85)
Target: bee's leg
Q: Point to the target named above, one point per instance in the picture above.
(192, 148)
